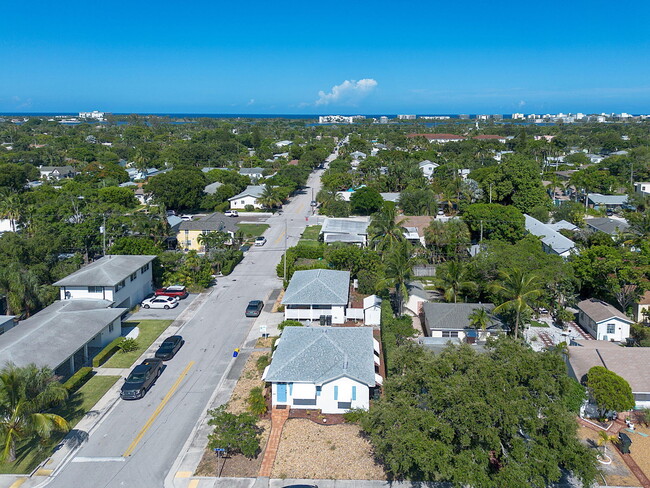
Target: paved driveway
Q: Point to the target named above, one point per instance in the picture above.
(161, 313)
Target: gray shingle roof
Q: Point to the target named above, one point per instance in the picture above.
(254, 191)
(213, 222)
(455, 316)
(608, 226)
(251, 171)
(211, 189)
(107, 271)
(551, 238)
(598, 199)
(600, 311)
(345, 226)
(320, 354)
(318, 287)
(55, 333)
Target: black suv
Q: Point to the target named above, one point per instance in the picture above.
(141, 379)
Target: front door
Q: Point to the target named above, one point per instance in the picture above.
(281, 390)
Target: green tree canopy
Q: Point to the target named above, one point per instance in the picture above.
(365, 201)
(179, 189)
(609, 390)
(505, 223)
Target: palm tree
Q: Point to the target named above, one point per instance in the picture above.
(22, 289)
(519, 289)
(399, 270)
(212, 240)
(480, 319)
(385, 231)
(269, 197)
(25, 395)
(10, 208)
(454, 280)
(603, 439)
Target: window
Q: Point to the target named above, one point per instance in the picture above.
(95, 289)
(336, 393)
(449, 333)
(134, 276)
(354, 393)
(120, 285)
(318, 390)
(144, 269)
(111, 327)
(611, 328)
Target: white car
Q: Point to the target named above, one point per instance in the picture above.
(160, 302)
(260, 241)
(186, 218)
(231, 213)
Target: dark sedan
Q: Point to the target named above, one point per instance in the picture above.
(169, 347)
(254, 308)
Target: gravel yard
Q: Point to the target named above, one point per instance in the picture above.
(249, 379)
(640, 449)
(617, 473)
(311, 451)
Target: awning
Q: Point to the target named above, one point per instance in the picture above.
(377, 362)
(375, 345)
(304, 390)
(378, 379)
(266, 370)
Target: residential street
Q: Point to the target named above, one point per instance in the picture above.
(136, 443)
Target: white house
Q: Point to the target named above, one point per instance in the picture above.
(642, 308)
(253, 173)
(56, 172)
(332, 369)
(249, 196)
(603, 321)
(123, 280)
(452, 320)
(368, 310)
(642, 188)
(552, 241)
(317, 295)
(63, 336)
(352, 231)
(427, 167)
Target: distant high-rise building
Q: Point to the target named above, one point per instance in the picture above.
(92, 115)
(406, 117)
(383, 119)
(518, 116)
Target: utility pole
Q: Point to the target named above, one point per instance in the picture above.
(285, 249)
(481, 239)
(104, 235)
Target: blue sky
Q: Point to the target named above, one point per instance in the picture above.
(331, 57)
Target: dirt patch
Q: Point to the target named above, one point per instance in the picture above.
(265, 342)
(617, 473)
(640, 449)
(250, 378)
(236, 465)
(278, 302)
(311, 451)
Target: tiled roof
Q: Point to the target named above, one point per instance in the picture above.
(600, 311)
(318, 287)
(320, 354)
(107, 271)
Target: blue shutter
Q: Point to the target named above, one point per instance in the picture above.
(318, 390)
(354, 393)
(291, 389)
(336, 393)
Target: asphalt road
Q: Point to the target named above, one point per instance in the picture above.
(137, 441)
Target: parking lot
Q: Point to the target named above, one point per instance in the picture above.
(161, 313)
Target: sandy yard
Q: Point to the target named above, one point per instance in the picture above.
(640, 449)
(249, 379)
(617, 473)
(312, 451)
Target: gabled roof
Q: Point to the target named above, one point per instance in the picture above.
(251, 171)
(607, 225)
(426, 162)
(598, 199)
(215, 222)
(254, 191)
(321, 354)
(107, 271)
(455, 316)
(318, 287)
(345, 226)
(600, 311)
(562, 224)
(51, 336)
(551, 238)
(212, 187)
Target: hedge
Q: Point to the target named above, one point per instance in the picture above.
(78, 379)
(107, 352)
(230, 263)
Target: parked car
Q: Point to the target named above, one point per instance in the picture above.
(314, 203)
(169, 347)
(300, 486)
(178, 291)
(231, 213)
(141, 379)
(260, 241)
(160, 302)
(186, 218)
(254, 308)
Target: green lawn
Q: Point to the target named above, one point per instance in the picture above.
(253, 230)
(311, 233)
(149, 332)
(78, 404)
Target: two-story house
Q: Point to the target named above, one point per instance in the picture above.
(317, 295)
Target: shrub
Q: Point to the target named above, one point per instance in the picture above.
(256, 401)
(354, 416)
(234, 433)
(262, 362)
(78, 379)
(107, 352)
(289, 323)
(249, 208)
(128, 345)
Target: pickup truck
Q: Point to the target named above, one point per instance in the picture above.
(178, 291)
(141, 379)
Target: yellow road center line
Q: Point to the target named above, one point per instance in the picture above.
(183, 474)
(156, 412)
(277, 241)
(18, 482)
(193, 484)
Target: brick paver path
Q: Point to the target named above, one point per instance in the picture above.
(278, 417)
(614, 430)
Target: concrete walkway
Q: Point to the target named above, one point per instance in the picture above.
(278, 417)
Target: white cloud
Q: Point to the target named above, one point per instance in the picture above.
(521, 103)
(251, 101)
(349, 92)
